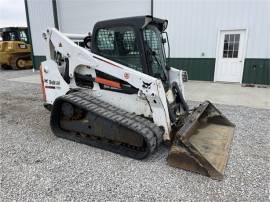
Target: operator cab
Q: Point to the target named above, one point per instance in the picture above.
(14, 34)
(135, 42)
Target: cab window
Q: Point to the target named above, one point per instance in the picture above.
(9, 36)
(23, 36)
(153, 38)
(119, 44)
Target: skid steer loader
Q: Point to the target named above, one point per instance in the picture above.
(118, 93)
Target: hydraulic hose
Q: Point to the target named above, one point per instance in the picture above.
(179, 96)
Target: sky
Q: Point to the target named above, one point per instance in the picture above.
(12, 13)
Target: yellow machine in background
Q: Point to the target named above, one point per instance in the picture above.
(15, 50)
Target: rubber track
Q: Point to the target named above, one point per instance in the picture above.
(151, 133)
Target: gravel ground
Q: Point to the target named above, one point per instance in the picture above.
(37, 166)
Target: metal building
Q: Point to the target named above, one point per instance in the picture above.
(222, 40)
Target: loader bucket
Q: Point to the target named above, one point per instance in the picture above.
(202, 145)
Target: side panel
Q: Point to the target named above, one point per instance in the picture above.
(131, 103)
(52, 81)
(256, 71)
(197, 68)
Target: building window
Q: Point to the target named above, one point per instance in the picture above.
(231, 45)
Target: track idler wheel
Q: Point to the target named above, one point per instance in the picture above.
(67, 109)
(71, 112)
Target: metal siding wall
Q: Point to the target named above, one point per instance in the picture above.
(194, 25)
(79, 16)
(257, 71)
(40, 17)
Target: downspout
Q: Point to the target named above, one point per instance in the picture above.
(152, 8)
(55, 14)
(29, 33)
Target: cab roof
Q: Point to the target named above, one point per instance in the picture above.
(138, 21)
(9, 29)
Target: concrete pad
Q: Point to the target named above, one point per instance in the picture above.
(27, 79)
(228, 93)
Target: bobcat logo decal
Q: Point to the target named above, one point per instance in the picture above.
(146, 85)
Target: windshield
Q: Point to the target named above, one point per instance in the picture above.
(153, 40)
(20, 35)
(23, 36)
(9, 36)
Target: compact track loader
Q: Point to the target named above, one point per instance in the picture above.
(117, 92)
(15, 50)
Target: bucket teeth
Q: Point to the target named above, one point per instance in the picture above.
(202, 145)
